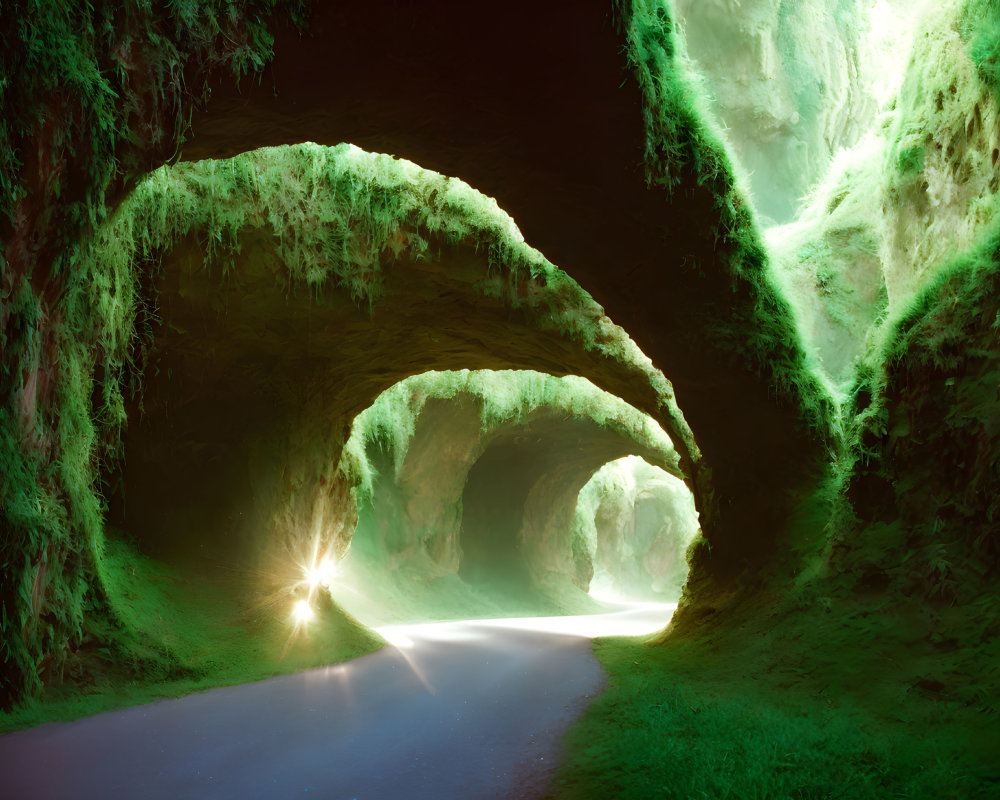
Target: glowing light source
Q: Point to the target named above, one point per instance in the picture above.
(303, 612)
(321, 574)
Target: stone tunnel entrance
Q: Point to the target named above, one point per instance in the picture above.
(305, 284)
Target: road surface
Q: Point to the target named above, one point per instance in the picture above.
(460, 710)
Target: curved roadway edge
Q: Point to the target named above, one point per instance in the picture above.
(465, 710)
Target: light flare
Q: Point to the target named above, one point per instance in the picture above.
(303, 612)
(321, 575)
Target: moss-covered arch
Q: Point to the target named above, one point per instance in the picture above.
(295, 285)
(682, 269)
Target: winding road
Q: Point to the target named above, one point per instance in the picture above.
(463, 710)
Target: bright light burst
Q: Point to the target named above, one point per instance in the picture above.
(321, 574)
(303, 612)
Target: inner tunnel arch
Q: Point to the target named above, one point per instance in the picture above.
(473, 480)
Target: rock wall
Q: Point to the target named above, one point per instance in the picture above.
(91, 99)
(790, 83)
(894, 209)
(940, 171)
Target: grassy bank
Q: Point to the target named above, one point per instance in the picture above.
(686, 721)
(193, 628)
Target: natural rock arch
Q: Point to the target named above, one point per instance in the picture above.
(638, 204)
(683, 267)
(265, 355)
(476, 475)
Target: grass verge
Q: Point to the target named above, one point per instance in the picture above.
(680, 721)
(195, 629)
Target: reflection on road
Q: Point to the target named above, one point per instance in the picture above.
(633, 619)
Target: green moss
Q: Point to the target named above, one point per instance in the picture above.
(910, 160)
(185, 631)
(341, 217)
(91, 100)
(875, 673)
(980, 27)
(914, 509)
(501, 396)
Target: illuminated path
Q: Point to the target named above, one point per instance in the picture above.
(460, 710)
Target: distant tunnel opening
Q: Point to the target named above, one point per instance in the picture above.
(633, 525)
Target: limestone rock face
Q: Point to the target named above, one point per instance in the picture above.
(790, 83)
(941, 165)
(895, 208)
(830, 260)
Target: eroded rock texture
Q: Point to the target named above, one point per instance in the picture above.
(790, 83)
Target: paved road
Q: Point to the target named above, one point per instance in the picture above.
(461, 710)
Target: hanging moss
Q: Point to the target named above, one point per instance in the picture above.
(341, 217)
(500, 396)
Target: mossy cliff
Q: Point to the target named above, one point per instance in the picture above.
(897, 207)
(91, 101)
(870, 667)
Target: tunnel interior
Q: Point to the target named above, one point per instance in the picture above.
(268, 382)
(491, 516)
(265, 335)
(251, 381)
